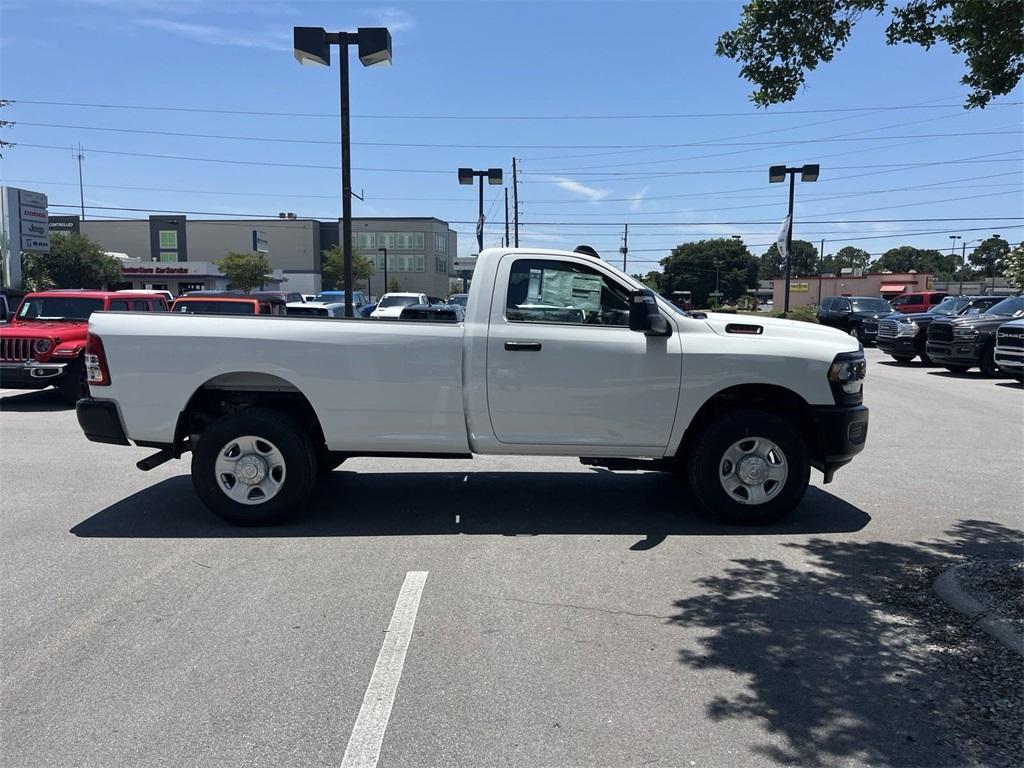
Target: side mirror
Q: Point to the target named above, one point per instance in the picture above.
(644, 316)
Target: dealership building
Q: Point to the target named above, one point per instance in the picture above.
(179, 254)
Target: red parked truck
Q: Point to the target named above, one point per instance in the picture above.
(44, 343)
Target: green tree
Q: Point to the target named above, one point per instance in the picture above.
(845, 258)
(332, 270)
(989, 256)
(245, 270)
(778, 41)
(906, 258)
(1013, 268)
(804, 261)
(74, 261)
(393, 285)
(692, 267)
(652, 280)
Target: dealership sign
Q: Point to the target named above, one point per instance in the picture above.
(24, 227)
(260, 243)
(154, 270)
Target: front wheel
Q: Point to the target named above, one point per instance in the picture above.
(749, 467)
(902, 358)
(988, 364)
(855, 332)
(956, 368)
(254, 467)
(73, 385)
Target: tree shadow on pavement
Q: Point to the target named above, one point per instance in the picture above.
(849, 658)
(649, 504)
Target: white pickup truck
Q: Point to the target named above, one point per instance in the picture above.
(560, 354)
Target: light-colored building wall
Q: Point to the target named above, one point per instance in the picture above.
(420, 251)
(130, 237)
(810, 290)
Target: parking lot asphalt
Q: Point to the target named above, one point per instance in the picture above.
(570, 616)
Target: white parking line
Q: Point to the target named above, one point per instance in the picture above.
(363, 750)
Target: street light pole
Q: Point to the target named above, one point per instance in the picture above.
(312, 45)
(493, 176)
(385, 250)
(778, 173)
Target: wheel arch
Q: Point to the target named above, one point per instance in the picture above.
(231, 392)
(771, 398)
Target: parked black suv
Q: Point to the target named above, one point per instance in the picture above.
(904, 336)
(857, 315)
(959, 343)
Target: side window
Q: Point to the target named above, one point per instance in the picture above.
(158, 305)
(842, 305)
(919, 299)
(140, 305)
(826, 305)
(118, 305)
(550, 291)
(899, 301)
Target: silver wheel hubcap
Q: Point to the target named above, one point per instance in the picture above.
(250, 470)
(753, 470)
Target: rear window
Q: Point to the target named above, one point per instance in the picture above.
(118, 306)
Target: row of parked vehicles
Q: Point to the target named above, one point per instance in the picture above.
(43, 342)
(956, 332)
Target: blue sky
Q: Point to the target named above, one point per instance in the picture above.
(630, 73)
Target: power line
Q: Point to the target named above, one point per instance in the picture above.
(331, 142)
(334, 115)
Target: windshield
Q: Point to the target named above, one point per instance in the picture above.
(1007, 307)
(214, 307)
(58, 308)
(871, 305)
(949, 306)
(399, 301)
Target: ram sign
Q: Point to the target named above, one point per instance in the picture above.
(24, 227)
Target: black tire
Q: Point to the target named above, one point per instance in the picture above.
(854, 331)
(924, 356)
(903, 358)
(987, 363)
(957, 368)
(707, 454)
(328, 461)
(281, 432)
(73, 386)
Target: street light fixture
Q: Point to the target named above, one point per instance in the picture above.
(493, 176)
(312, 45)
(777, 173)
(952, 245)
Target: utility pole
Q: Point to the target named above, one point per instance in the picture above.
(515, 200)
(963, 264)
(506, 217)
(625, 246)
(81, 188)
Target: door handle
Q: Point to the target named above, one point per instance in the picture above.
(522, 346)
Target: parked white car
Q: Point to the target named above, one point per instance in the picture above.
(314, 309)
(154, 291)
(392, 304)
(560, 354)
(1009, 351)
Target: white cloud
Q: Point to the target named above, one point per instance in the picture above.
(593, 194)
(276, 40)
(637, 199)
(395, 19)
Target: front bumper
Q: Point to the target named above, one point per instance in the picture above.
(30, 374)
(1011, 362)
(897, 345)
(840, 433)
(955, 352)
(100, 421)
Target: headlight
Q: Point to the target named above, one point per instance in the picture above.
(42, 346)
(908, 329)
(965, 333)
(846, 377)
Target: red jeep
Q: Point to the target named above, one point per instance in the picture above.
(45, 341)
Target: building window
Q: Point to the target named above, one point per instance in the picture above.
(441, 242)
(168, 255)
(419, 240)
(441, 264)
(168, 239)
(420, 265)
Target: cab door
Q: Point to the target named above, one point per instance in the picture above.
(563, 367)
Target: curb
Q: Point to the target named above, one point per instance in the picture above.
(947, 587)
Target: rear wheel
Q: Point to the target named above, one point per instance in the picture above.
(253, 467)
(749, 467)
